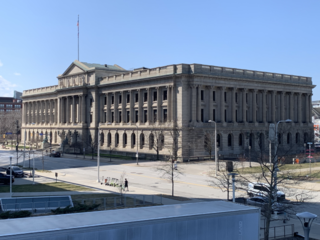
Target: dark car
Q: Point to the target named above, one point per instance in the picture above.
(5, 178)
(55, 154)
(16, 171)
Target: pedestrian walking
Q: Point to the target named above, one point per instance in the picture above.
(126, 184)
(175, 165)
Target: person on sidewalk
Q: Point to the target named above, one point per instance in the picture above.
(175, 165)
(126, 184)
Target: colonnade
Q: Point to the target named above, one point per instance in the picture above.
(147, 105)
(72, 109)
(241, 105)
(40, 112)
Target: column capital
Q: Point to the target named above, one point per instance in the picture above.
(169, 86)
(193, 85)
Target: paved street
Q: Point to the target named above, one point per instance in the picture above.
(143, 178)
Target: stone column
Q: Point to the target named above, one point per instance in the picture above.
(73, 109)
(199, 104)
(131, 106)
(222, 105)
(210, 89)
(233, 105)
(68, 110)
(254, 105)
(173, 102)
(149, 107)
(140, 105)
(264, 106)
(299, 110)
(193, 103)
(83, 109)
(282, 117)
(79, 108)
(273, 106)
(310, 108)
(169, 103)
(307, 107)
(159, 113)
(116, 105)
(59, 110)
(123, 108)
(291, 106)
(244, 105)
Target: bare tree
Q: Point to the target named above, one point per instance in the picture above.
(209, 140)
(121, 185)
(156, 138)
(275, 175)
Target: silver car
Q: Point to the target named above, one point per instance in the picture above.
(262, 203)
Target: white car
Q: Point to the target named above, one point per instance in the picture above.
(262, 203)
(262, 190)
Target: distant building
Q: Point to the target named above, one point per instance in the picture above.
(17, 95)
(127, 106)
(8, 104)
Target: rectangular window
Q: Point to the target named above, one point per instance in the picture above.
(105, 117)
(112, 99)
(165, 115)
(90, 102)
(137, 97)
(214, 115)
(90, 117)
(246, 97)
(120, 116)
(236, 115)
(214, 96)
(128, 98)
(154, 96)
(145, 96)
(17, 106)
(165, 95)
(154, 115)
(202, 95)
(145, 113)
(202, 117)
(225, 115)
(120, 98)
(225, 96)
(128, 116)
(105, 100)
(112, 116)
(137, 116)
(236, 97)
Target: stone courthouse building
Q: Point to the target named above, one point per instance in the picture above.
(130, 107)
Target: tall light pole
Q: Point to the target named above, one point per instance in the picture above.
(24, 147)
(215, 145)
(98, 160)
(33, 168)
(10, 176)
(276, 156)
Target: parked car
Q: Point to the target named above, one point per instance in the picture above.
(5, 178)
(16, 171)
(262, 189)
(262, 203)
(55, 154)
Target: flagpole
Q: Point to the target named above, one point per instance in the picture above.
(78, 37)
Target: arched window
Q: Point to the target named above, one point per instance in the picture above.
(288, 138)
(125, 140)
(50, 137)
(41, 136)
(229, 140)
(109, 139)
(251, 139)
(240, 139)
(55, 137)
(279, 138)
(297, 138)
(218, 140)
(305, 137)
(37, 136)
(101, 139)
(116, 139)
(133, 140)
(161, 139)
(141, 140)
(151, 141)
(261, 141)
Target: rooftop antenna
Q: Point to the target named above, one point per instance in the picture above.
(78, 37)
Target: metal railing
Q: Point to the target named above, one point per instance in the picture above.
(124, 201)
(278, 231)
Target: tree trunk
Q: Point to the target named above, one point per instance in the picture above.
(172, 178)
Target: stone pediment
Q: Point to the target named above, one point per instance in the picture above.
(75, 68)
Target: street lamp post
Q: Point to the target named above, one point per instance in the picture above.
(233, 186)
(215, 145)
(10, 176)
(33, 169)
(306, 220)
(98, 161)
(310, 143)
(276, 156)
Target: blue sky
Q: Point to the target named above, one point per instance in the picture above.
(38, 39)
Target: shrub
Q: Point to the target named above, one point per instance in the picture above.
(17, 214)
(77, 208)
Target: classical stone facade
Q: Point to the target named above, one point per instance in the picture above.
(126, 104)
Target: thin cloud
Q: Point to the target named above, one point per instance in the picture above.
(6, 87)
(17, 74)
(1, 64)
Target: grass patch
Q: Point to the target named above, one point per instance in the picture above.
(44, 187)
(285, 167)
